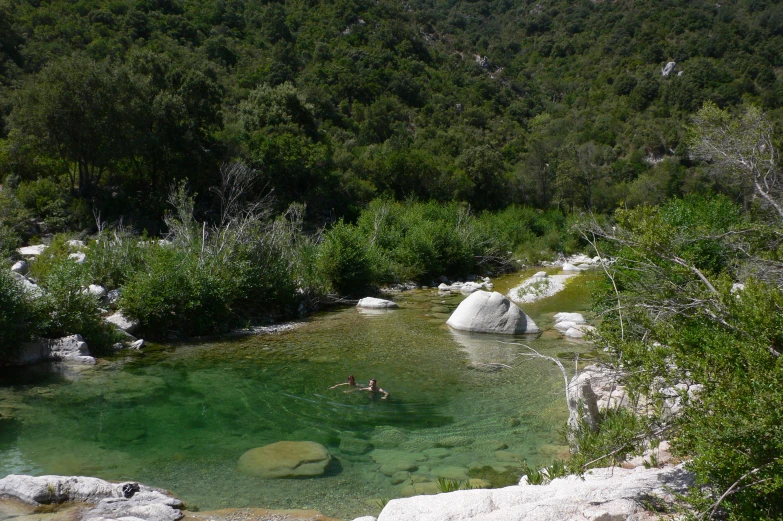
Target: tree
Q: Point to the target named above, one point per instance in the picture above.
(75, 111)
(740, 148)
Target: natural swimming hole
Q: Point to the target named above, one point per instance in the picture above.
(180, 416)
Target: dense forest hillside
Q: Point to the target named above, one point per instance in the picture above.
(550, 103)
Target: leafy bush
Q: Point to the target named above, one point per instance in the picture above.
(18, 316)
(344, 260)
(65, 308)
(682, 322)
(177, 292)
(114, 257)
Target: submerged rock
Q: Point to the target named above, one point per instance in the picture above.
(285, 459)
(484, 312)
(376, 303)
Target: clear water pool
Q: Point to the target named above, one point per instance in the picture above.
(180, 416)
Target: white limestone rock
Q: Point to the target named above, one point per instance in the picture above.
(376, 303)
(79, 257)
(366, 518)
(485, 312)
(20, 267)
(112, 500)
(30, 288)
(444, 287)
(568, 267)
(70, 349)
(138, 344)
(74, 243)
(122, 322)
(540, 275)
(96, 290)
(470, 287)
(32, 251)
(604, 494)
(668, 68)
(578, 331)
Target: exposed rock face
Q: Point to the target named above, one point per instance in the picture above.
(20, 267)
(32, 251)
(485, 312)
(376, 303)
(570, 267)
(98, 291)
(111, 500)
(668, 68)
(285, 459)
(67, 349)
(30, 288)
(599, 388)
(70, 349)
(78, 257)
(610, 494)
(122, 322)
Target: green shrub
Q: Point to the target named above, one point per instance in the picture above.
(113, 258)
(344, 260)
(177, 292)
(17, 316)
(66, 309)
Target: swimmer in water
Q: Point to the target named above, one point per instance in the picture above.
(373, 388)
(350, 383)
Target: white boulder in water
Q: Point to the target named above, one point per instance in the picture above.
(485, 312)
(570, 267)
(470, 287)
(578, 331)
(565, 321)
(376, 303)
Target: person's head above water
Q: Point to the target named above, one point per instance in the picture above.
(373, 383)
(351, 379)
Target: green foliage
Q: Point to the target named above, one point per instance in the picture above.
(683, 323)
(344, 260)
(339, 104)
(450, 485)
(113, 257)
(177, 293)
(17, 315)
(65, 308)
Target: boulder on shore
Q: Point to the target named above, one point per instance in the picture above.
(122, 322)
(111, 500)
(285, 459)
(32, 251)
(603, 494)
(485, 312)
(20, 267)
(376, 303)
(66, 349)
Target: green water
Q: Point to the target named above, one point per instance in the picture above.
(179, 417)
